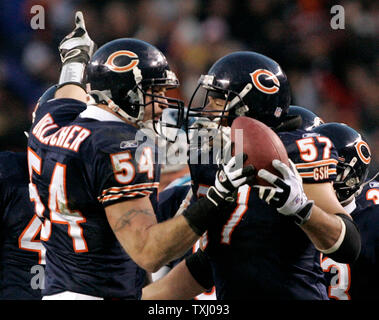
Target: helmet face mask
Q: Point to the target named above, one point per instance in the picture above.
(348, 181)
(165, 126)
(354, 157)
(122, 71)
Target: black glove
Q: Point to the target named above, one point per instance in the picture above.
(221, 197)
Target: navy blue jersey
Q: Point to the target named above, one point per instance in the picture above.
(78, 169)
(314, 156)
(22, 254)
(369, 195)
(257, 253)
(170, 200)
(360, 280)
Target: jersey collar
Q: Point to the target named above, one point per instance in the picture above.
(94, 112)
(350, 207)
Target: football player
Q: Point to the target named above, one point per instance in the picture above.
(268, 246)
(360, 279)
(94, 180)
(22, 254)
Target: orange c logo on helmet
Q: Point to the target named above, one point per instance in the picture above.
(358, 147)
(133, 61)
(269, 75)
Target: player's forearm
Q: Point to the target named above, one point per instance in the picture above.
(322, 229)
(149, 244)
(162, 244)
(178, 284)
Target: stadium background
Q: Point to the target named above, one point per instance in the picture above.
(332, 72)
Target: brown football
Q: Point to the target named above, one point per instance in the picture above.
(260, 143)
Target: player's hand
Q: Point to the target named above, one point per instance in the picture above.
(287, 194)
(77, 46)
(228, 179)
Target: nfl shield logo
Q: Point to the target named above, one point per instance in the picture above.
(278, 112)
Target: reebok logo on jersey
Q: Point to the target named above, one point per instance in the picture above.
(128, 144)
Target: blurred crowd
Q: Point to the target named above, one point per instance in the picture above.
(332, 72)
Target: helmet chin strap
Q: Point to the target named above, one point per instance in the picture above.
(239, 98)
(103, 96)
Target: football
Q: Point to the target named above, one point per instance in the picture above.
(260, 143)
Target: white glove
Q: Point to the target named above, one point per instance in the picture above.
(77, 45)
(228, 179)
(287, 194)
(75, 50)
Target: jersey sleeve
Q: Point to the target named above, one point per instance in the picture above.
(63, 110)
(126, 174)
(314, 156)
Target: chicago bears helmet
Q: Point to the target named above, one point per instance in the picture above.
(120, 73)
(310, 120)
(251, 84)
(354, 157)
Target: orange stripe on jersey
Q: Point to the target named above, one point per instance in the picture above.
(127, 195)
(306, 174)
(131, 187)
(316, 163)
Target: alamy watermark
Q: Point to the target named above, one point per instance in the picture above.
(206, 146)
(338, 19)
(38, 19)
(37, 282)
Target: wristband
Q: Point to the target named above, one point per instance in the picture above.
(200, 268)
(72, 72)
(303, 215)
(348, 246)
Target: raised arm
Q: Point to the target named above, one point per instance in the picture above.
(75, 50)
